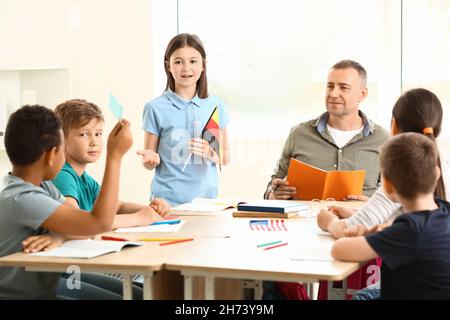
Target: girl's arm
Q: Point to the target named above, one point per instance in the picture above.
(225, 155)
(150, 157)
(353, 249)
(378, 209)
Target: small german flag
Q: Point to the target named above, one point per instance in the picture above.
(211, 131)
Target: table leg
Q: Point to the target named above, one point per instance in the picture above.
(148, 286)
(127, 287)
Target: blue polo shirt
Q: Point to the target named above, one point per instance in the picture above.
(175, 121)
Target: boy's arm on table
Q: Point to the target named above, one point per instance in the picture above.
(355, 249)
(51, 239)
(158, 204)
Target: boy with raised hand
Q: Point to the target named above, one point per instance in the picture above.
(31, 205)
(82, 124)
(415, 249)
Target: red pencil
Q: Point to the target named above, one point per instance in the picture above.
(113, 238)
(276, 246)
(176, 241)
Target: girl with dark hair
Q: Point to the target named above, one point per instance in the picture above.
(186, 164)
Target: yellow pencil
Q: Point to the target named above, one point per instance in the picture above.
(161, 239)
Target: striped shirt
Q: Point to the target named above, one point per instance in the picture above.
(380, 209)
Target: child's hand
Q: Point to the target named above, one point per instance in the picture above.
(43, 242)
(360, 230)
(160, 206)
(150, 159)
(148, 215)
(341, 212)
(324, 218)
(120, 140)
(201, 148)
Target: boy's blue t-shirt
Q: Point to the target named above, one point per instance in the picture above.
(416, 255)
(23, 209)
(82, 188)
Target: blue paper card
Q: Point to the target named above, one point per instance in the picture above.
(115, 107)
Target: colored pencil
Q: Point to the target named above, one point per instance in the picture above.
(113, 238)
(177, 241)
(161, 239)
(267, 244)
(276, 246)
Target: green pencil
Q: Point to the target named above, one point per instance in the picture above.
(267, 244)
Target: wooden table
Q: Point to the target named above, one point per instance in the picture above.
(223, 247)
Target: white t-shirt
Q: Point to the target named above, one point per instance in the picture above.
(341, 138)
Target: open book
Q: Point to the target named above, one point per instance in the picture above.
(207, 205)
(86, 249)
(315, 183)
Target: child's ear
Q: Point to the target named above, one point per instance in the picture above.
(50, 156)
(166, 63)
(388, 188)
(438, 173)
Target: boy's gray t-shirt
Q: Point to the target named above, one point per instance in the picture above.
(23, 208)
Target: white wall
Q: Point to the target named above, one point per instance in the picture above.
(106, 45)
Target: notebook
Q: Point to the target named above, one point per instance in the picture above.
(207, 205)
(278, 206)
(86, 249)
(315, 183)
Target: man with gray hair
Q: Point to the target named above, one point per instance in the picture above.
(342, 138)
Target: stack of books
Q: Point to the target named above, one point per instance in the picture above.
(270, 209)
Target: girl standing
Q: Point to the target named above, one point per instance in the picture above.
(174, 123)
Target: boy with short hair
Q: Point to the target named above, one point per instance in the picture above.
(415, 249)
(30, 204)
(82, 124)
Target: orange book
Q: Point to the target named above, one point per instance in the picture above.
(315, 183)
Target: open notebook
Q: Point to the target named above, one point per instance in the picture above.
(86, 249)
(207, 205)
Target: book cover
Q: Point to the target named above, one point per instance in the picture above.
(315, 183)
(279, 206)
